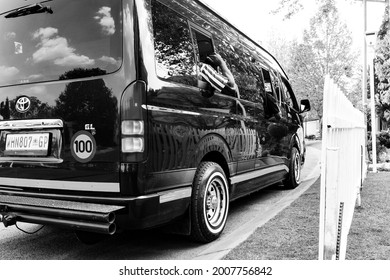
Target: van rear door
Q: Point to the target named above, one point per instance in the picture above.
(59, 103)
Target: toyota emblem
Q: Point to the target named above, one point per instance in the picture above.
(23, 104)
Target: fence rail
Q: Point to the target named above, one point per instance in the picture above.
(343, 169)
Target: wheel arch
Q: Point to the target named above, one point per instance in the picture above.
(213, 147)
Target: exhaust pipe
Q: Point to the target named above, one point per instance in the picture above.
(66, 213)
(79, 216)
(104, 228)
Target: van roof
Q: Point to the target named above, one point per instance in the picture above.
(266, 53)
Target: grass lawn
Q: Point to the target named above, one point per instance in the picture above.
(369, 237)
(290, 235)
(293, 233)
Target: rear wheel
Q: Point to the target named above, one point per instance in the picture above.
(294, 176)
(209, 202)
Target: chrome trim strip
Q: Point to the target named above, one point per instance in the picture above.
(169, 110)
(31, 124)
(29, 160)
(257, 173)
(61, 185)
(171, 195)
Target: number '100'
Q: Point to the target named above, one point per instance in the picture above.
(83, 146)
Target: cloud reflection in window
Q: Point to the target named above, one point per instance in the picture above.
(106, 21)
(8, 73)
(56, 48)
(110, 60)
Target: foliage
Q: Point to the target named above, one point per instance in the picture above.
(382, 70)
(382, 145)
(326, 49)
(288, 7)
(38, 109)
(384, 139)
(87, 102)
(172, 42)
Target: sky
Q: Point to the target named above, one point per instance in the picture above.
(253, 17)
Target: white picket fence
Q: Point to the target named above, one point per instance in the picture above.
(343, 169)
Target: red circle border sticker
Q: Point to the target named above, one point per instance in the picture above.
(83, 146)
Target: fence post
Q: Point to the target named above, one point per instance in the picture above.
(342, 170)
(331, 209)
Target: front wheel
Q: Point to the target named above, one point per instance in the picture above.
(294, 176)
(209, 202)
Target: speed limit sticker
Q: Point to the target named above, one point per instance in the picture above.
(83, 146)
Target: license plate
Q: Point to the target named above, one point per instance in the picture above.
(27, 144)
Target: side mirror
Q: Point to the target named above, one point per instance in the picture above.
(305, 106)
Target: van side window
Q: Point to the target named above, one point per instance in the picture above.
(203, 47)
(267, 82)
(242, 66)
(286, 98)
(290, 97)
(173, 46)
(276, 86)
(271, 107)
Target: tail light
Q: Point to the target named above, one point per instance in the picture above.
(133, 136)
(132, 122)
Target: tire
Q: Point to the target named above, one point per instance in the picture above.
(294, 176)
(209, 202)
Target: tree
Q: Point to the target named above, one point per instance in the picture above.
(39, 109)
(292, 7)
(382, 69)
(288, 7)
(5, 110)
(89, 102)
(326, 49)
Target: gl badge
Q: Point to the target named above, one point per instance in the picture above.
(23, 104)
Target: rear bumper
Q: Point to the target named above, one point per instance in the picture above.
(92, 213)
(92, 217)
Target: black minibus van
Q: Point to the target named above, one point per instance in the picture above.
(103, 125)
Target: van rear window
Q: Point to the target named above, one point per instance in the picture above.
(40, 41)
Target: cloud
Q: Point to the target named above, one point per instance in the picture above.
(35, 77)
(45, 33)
(105, 20)
(35, 90)
(55, 48)
(110, 60)
(8, 73)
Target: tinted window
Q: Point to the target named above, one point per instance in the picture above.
(289, 95)
(271, 104)
(43, 46)
(243, 67)
(276, 86)
(203, 47)
(173, 46)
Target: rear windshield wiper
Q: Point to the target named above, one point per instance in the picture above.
(29, 10)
